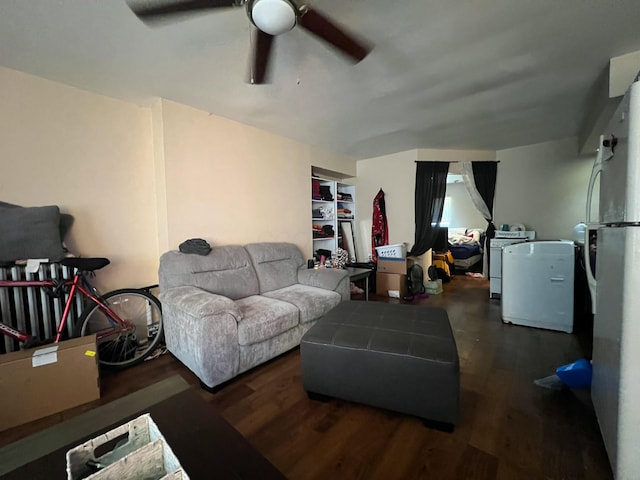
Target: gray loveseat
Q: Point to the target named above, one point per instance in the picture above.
(240, 306)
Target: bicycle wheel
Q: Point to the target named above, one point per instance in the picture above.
(122, 345)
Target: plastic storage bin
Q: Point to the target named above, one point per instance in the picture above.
(433, 287)
(140, 451)
(398, 250)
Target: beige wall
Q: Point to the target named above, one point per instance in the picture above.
(230, 183)
(543, 186)
(396, 174)
(141, 180)
(91, 155)
(160, 176)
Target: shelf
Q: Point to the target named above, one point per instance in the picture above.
(330, 207)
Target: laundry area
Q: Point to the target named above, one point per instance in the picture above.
(536, 280)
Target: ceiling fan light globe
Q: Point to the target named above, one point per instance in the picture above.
(273, 16)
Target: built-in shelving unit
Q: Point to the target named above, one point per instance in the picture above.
(332, 214)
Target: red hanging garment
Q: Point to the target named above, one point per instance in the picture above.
(379, 228)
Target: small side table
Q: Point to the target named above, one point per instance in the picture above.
(356, 274)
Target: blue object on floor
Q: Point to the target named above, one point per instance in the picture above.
(576, 374)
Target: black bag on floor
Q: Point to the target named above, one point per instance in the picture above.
(415, 281)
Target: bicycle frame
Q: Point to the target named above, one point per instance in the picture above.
(76, 285)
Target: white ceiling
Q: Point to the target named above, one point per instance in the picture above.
(468, 74)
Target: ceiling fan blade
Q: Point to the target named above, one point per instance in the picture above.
(153, 12)
(319, 25)
(261, 55)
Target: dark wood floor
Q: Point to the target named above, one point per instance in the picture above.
(509, 428)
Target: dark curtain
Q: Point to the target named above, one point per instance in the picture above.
(431, 186)
(484, 174)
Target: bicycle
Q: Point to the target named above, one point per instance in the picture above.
(127, 322)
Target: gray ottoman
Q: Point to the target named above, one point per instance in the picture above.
(392, 356)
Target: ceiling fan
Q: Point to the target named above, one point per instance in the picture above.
(270, 17)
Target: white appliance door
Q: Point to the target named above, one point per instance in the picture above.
(620, 177)
(495, 268)
(615, 389)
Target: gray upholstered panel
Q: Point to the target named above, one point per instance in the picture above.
(207, 343)
(329, 278)
(312, 302)
(252, 355)
(264, 318)
(227, 271)
(199, 303)
(398, 357)
(276, 264)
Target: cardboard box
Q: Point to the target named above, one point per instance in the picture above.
(42, 381)
(392, 265)
(394, 282)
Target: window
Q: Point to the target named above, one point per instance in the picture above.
(446, 211)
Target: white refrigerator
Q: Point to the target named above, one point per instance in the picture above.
(616, 331)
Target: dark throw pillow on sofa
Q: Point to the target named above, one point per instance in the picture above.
(30, 232)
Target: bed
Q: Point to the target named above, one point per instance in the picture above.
(465, 245)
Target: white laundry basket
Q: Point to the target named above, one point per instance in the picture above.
(398, 250)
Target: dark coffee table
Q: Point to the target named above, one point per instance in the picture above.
(206, 445)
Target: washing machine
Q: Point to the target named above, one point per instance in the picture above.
(538, 284)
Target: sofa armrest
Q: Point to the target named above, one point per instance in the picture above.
(328, 278)
(199, 303)
(201, 330)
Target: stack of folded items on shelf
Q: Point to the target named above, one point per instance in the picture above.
(315, 190)
(344, 212)
(323, 231)
(344, 196)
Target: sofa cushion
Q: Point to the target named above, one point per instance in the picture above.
(264, 318)
(276, 264)
(226, 270)
(312, 302)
